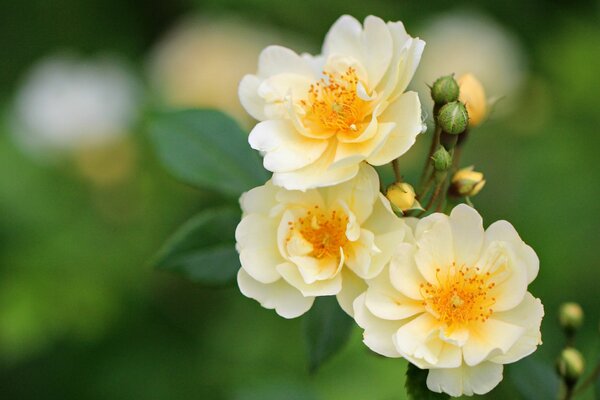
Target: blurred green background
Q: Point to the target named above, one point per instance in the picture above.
(84, 316)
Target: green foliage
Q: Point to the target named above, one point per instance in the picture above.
(203, 249)
(207, 149)
(533, 379)
(327, 329)
(416, 385)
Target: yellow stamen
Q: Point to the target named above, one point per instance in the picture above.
(326, 232)
(461, 297)
(333, 105)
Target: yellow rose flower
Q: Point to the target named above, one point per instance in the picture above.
(455, 301)
(297, 245)
(321, 116)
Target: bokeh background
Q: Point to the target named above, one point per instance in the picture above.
(84, 203)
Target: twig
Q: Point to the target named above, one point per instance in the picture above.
(396, 168)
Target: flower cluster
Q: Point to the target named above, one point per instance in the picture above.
(440, 291)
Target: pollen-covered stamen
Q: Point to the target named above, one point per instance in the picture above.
(325, 231)
(462, 296)
(333, 104)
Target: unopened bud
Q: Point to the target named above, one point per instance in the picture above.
(570, 317)
(453, 118)
(570, 365)
(467, 182)
(472, 95)
(444, 90)
(401, 195)
(442, 160)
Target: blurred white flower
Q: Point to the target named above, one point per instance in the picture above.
(67, 103)
(468, 42)
(297, 245)
(455, 301)
(200, 62)
(321, 116)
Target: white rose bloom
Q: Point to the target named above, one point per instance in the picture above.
(322, 115)
(67, 103)
(297, 245)
(455, 301)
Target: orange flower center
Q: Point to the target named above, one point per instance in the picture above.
(325, 231)
(333, 104)
(460, 298)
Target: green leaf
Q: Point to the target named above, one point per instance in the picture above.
(534, 379)
(416, 385)
(203, 249)
(207, 149)
(327, 329)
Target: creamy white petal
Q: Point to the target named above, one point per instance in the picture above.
(313, 269)
(358, 257)
(404, 274)
(372, 47)
(297, 245)
(435, 253)
(319, 288)
(352, 287)
(287, 301)
(509, 277)
(418, 338)
(283, 232)
(275, 60)
(285, 149)
(465, 380)
(378, 332)
(455, 336)
(384, 301)
(467, 232)
(504, 231)
(529, 315)
(251, 101)
(317, 174)
(359, 194)
(389, 232)
(352, 227)
(490, 338)
(279, 92)
(409, 65)
(260, 199)
(349, 153)
(407, 55)
(405, 112)
(297, 199)
(256, 238)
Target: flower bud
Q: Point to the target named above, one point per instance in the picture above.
(570, 317)
(453, 118)
(472, 95)
(444, 90)
(570, 365)
(442, 160)
(466, 182)
(401, 195)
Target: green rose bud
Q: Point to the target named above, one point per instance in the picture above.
(570, 365)
(442, 160)
(444, 90)
(453, 118)
(570, 317)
